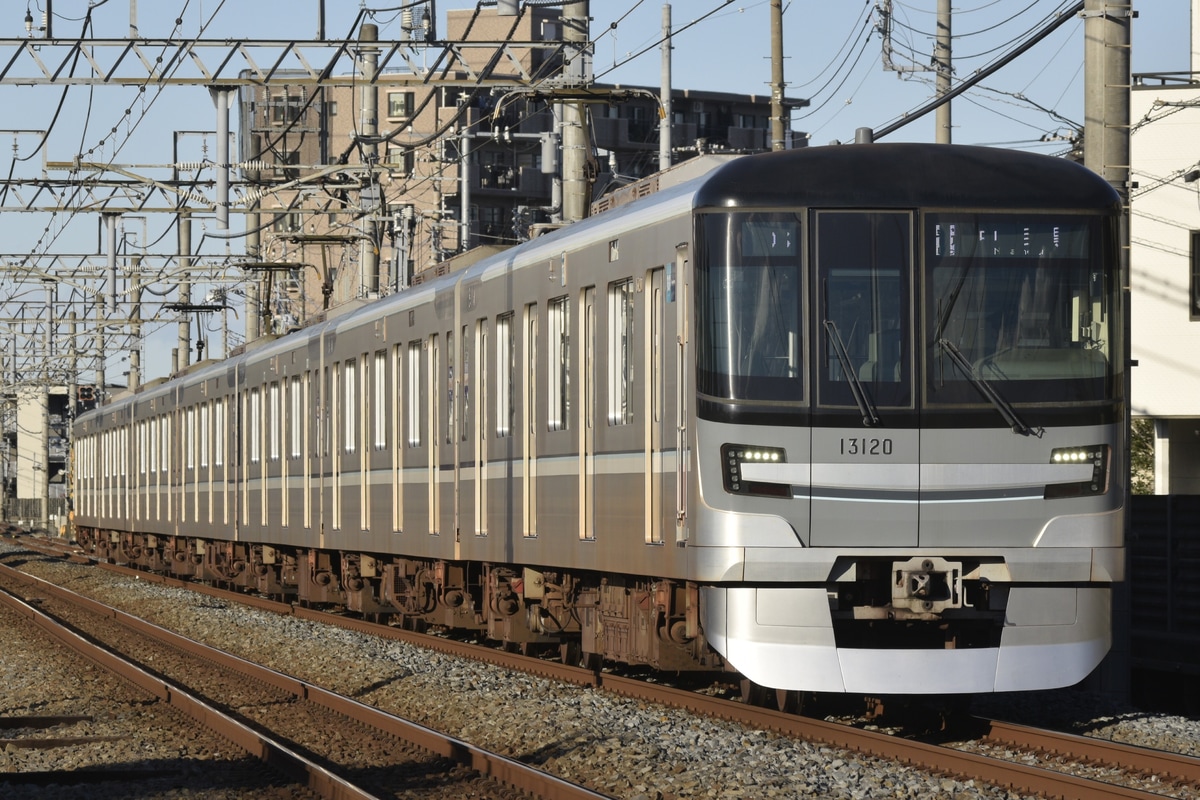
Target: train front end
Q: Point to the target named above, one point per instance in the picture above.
(909, 447)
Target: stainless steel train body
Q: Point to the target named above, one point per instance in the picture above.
(847, 419)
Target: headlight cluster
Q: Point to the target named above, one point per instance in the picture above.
(733, 456)
(1096, 455)
(1068, 455)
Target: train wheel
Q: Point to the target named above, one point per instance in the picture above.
(753, 694)
(570, 653)
(788, 701)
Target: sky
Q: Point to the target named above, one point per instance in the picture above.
(836, 58)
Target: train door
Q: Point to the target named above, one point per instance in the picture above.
(448, 469)
(529, 437)
(399, 404)
(865, 445)
(677, 284)
(434, 393)
(587, 413)
(654, 388)
(223, 456)
(465, 478)
(480, 422)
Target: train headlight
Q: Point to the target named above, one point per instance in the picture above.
(733, 456)
(1097, 455)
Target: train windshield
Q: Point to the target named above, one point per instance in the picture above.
(1018, 306)
(863, 268)
(748, 294)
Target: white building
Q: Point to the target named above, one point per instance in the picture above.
(1165, 266)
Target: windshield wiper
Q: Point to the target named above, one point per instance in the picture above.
(870, 418)
(987, 390)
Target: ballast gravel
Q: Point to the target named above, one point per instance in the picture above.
(619, 746)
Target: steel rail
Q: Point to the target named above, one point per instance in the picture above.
(1178, 767)
(488, 764)
(269, 751)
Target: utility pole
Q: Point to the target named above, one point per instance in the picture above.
(1107, 82)
(369, 130)
(253, 241)
(941, 60)
(777, 84)
(135, 334)
(183, 351)
(110, 222)
(223, 97)
(44, 401)
(664, 128)
(574, 137)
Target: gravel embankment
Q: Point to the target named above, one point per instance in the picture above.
(619, 746)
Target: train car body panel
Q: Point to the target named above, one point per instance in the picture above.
(847, 419)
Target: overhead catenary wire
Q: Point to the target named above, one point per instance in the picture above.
(984, 73)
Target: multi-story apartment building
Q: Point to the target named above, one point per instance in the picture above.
(461, 162)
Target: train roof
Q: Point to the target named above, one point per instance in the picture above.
(905, 175)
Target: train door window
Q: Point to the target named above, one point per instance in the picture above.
(379, 401)
(620, 355)
(254, 417)
(204, 440)
(413, 395)
(274, 422)
(863, 263)
(504, 375)
(295, 418)
(529, 390)
(350, 408)
(748, 299)
(558, 378)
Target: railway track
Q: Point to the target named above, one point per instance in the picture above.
(336, 746)
(108, 724)
(1026, 760)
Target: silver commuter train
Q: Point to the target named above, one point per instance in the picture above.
(843, 419)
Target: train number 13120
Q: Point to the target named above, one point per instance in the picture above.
(866, 446)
